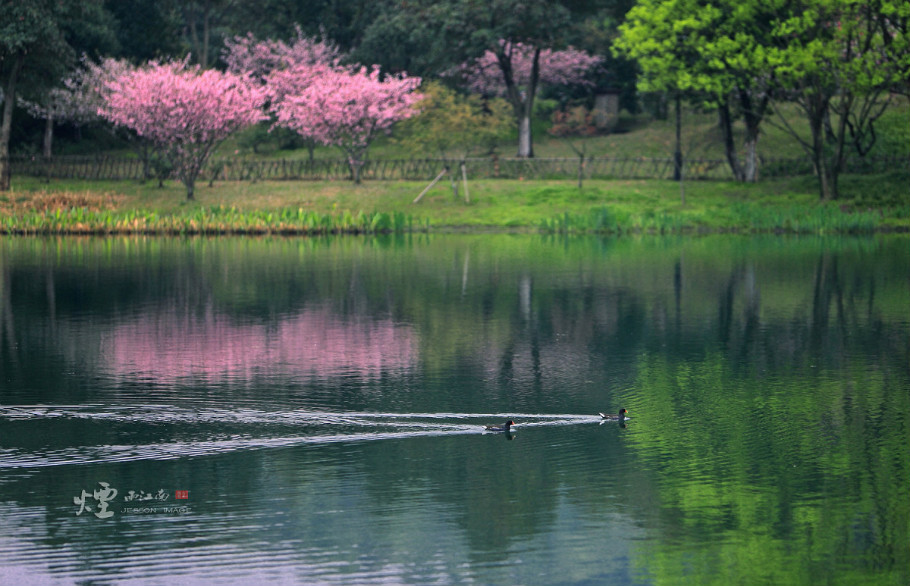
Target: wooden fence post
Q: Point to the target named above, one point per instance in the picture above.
(430, 186)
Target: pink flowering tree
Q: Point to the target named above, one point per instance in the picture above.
(77, 100)
(258, 60)
(342, 107)
(245, 55)
(516, 71)
(184, 111)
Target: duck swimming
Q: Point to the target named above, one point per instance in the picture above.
(504, 427)
(620, 417)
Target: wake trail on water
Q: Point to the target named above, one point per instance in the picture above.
(221, 430)
(171, 413)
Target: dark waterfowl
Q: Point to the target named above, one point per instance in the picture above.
(505, 427)
(620, 417)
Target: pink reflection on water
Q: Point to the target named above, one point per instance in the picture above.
(171, 345)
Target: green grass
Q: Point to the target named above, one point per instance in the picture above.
(868, 202)
(551, 206)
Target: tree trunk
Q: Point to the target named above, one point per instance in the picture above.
(356, 166)
(453, 181)
(750, 172)
(726, 127)
(522, 102)
(753, 114)
(677, 154)
(525, 145)
(817, 109)
(48, 136)
(9, 97)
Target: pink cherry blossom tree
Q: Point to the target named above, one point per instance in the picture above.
(516, 71)
(257, 60)
(184, 111)
(342, 107)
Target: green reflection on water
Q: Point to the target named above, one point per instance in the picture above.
(766, 377)
(794, 477)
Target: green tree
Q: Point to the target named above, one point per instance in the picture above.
(839, 61)
(451, 124)
(404, 40)
(715, 49)
(454, 125)
(39, 40)
(146, 29)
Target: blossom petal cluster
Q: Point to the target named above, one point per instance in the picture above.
(245, 55)
(341, 107)
(172, 103)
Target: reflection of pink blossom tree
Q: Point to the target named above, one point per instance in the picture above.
(185, 112)
(170, 345)
(340, 107)
(516, 71)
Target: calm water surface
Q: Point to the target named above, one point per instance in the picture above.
(311, 411)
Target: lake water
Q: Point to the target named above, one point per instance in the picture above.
(311, 410)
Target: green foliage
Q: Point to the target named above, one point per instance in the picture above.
(835, 58)
(145, 29)
(455, 125)
(893, 133)
(48, 35)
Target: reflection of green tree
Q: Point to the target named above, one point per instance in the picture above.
(812, 490)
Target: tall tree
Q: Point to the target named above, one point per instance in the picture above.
(503, 27)
(715, 48)
(201, 18)
(147, 29)
(39, 40)
(517, 71)
(439, 34)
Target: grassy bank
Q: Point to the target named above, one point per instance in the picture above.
(871, 203)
